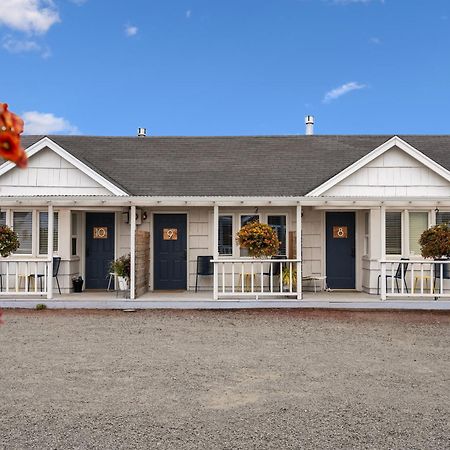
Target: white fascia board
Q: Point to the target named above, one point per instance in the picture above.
(393, 142)
(46, 142)
(101, 202)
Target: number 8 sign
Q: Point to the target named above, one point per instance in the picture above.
(340, 232)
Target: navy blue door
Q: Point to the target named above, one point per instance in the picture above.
(170, 251)
(340, 242)
(99, 248)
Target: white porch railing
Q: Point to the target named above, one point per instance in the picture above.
(257, 278)
(19, 276)
(409, 278)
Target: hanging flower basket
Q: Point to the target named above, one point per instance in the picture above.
(435, 243)
(9, 242)
(259, 238)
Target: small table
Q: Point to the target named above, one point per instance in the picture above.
(247, 281)
(314, 278)
(425, 278)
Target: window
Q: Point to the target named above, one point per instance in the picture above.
(442, 217)
(43, 232)
(74, 227)
(2, 218)
(278, 223)
(245, 219)
(23, 226)
(225, 235)
(418, 223)
(393, 233)
(366, 233)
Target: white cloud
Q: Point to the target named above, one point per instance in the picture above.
(188, 14)
(47, 123)
(131, 30)
(13, 45)
(342, 90)
(79, 2)
(31, 16)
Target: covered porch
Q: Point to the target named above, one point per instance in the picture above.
(382, 247)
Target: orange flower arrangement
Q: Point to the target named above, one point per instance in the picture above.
(11, 126)
(259, 238)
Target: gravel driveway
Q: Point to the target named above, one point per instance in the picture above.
(225, 380)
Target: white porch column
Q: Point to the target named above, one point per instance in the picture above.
(50, 223)
(299, 252)
(383, 251)
(216, 251)
(133, 252)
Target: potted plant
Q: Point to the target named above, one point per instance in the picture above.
(121, 267)
(9, 242)
(286, 278)
(259, 239)
(77, 283)
(435, 243)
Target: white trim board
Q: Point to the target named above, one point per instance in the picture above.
(46, 142)
(383, 148)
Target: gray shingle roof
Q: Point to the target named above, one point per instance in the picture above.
(230, 166)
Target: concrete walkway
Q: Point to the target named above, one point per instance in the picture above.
(202, 300)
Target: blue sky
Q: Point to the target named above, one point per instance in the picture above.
(210, 67)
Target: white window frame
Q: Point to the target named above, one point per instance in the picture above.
(366, 244)
(239, 253)
(37, 229)
(233, 234)
(407, 234)
(402, 231)
(74, 234)
(405, 229)
(286, 216)
(33, 234)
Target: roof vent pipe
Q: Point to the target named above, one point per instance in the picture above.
(309, 121)
(142, 132)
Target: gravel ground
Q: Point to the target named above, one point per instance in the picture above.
(225, 380)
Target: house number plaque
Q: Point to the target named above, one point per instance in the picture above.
(100, 233)
(170, 234)
(340, 232)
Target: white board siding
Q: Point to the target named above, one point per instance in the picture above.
(49, 174)
(393, 174)
(199, 243)
(313, 243)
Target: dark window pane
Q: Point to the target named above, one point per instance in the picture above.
(23, 226)
(393, 233)
(43, 232)
(2, 218)
(74, 246)
(225, 235)
(244, 221)
(278, 223)
(442, 217)
(250, 218)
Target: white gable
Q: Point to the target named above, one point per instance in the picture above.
(393, 174)
(49, 174)
(53, 171)
(394, 169)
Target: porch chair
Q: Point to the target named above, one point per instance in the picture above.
(397, 276)
(204, 268)
(56, 264)
(276, 266)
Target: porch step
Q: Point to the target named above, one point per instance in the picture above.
(424, 305)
